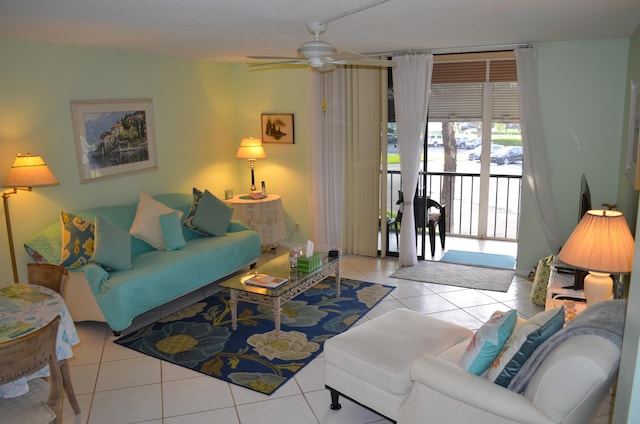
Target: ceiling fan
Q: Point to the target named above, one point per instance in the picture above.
(321, 55)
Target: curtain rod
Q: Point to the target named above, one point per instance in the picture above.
(488, 48)
(451, 50)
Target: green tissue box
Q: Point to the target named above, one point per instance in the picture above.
(308, 264)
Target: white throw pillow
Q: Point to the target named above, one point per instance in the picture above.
(146, 224)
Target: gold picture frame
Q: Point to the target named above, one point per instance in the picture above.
(278, 128)
(113, 138)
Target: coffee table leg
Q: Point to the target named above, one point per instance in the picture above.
(338, 281)
(277, 310)
(233, 303)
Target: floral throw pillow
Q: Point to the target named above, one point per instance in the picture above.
(191, 215)
(486, 343)
(77, 240)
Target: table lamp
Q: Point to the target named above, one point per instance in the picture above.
(27, 172)
(251, 148)
(601, 244)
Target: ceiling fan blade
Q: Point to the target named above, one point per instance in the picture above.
(347, 56)
(353, 11)
(367, 62)
(273, 58)
(284, 62)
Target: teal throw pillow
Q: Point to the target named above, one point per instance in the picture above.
(486, 343)
(212, 215)
(523, 342)
(77, 240)
(172, 231)
(112, 246)
(188, 221)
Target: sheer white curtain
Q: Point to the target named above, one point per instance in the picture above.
(344, 155)
(326, 159)
(411, 84)
(536, 171)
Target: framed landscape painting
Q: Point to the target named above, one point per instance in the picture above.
(277, 128)
(113, 137)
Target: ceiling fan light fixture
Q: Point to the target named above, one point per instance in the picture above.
(316, 49)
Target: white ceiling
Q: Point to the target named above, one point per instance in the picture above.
(230, 30)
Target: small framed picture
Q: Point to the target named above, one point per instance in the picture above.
(277, 128)
(113, 138)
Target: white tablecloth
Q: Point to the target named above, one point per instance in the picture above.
(264, 216)
(35, 306)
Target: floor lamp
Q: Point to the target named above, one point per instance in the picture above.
(601, 244)
(27, 172)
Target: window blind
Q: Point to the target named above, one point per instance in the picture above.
(457, 89)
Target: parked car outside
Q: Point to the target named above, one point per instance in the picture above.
(463, 143)
(470, 143)
(509, 154)
(476, 153)
(434, 140)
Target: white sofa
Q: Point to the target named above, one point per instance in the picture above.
(404, 365)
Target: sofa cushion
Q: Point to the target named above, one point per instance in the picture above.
(146, 223)
(487, 342)
(172, 231)
(522, 343)
(188, 221)
(77, 240)
(212, 215)
(112, 245)
(377, 353)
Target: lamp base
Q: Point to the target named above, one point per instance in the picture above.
(598, 287)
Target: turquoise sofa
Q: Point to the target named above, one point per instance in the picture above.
(157, 277)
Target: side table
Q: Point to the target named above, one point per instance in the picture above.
(559, 292)
(264, 216)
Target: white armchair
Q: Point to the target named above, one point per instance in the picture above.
(566, 388)
(404, 365)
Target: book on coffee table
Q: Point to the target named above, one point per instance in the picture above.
(264, 280)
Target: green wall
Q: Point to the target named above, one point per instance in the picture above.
(582, 92)
(285, 169)
(627, 406)
(202, 109)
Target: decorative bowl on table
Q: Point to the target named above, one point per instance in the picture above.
(256, 195)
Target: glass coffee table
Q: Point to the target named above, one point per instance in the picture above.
(298, 282)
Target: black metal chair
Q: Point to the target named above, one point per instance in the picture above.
(393, 223)
(437, 218)
(430, 219)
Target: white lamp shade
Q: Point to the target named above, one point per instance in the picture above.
(251, 148)
(29, 171)
(602, 242)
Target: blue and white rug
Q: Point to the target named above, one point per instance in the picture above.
(200, 337)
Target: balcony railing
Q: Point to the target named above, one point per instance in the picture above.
(461, 194)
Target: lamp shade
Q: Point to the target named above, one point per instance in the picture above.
(251, 148)
(602, 242)
(29, 171)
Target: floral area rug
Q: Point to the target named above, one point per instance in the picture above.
(200, 337)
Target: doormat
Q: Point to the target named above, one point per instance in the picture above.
(490, 260)
(473, 277)
(200, 337)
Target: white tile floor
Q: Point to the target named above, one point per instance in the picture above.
(116, 385)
